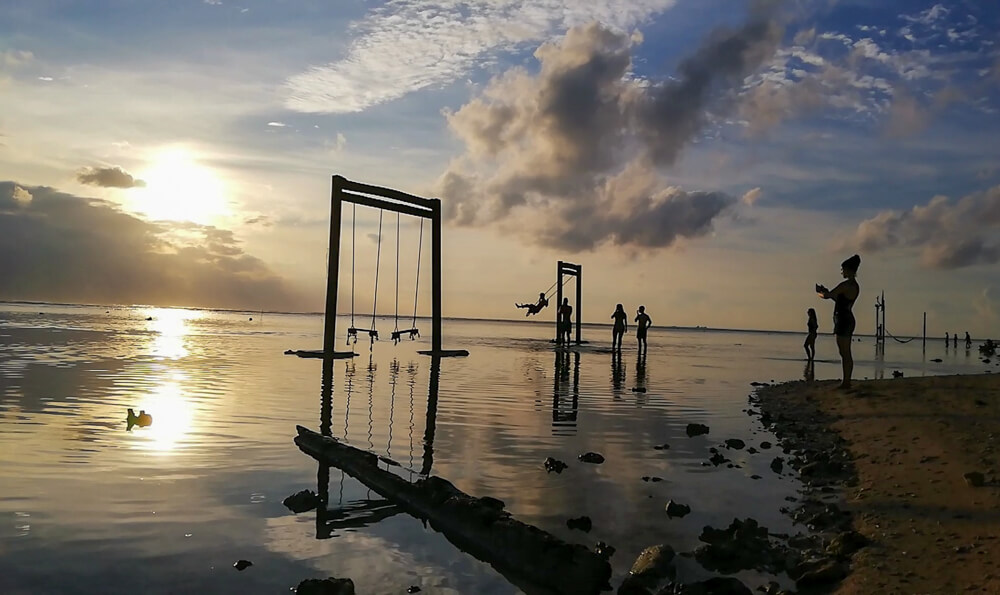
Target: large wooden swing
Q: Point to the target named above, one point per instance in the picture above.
(384, 199)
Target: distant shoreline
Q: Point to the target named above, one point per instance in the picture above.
(456, 318)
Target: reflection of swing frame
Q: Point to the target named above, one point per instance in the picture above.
(573, 270)
(345, 190)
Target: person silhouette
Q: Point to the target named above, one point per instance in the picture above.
(810, 343)
(536, 307)
(642, 322)
(968, 340)
(954, 340)
(947, 338)
(565, 321)
(620, 328)
(844, 295)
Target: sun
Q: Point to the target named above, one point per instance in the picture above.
(178, 188)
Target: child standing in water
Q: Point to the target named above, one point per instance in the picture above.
(813, 326)
(620, 328)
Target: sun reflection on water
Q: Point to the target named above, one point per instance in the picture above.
(171, 328)
(173, 415)
(167, 401)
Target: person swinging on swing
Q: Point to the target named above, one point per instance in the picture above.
(536, 307)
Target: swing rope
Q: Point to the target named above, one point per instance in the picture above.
(352, 332)
(416, 288)
(372, 333)
(894, 337)
(566, 278)
(395, 330)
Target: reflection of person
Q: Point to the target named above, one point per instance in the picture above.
(536, 307)
(642, 322)
(621, 327)
(968, 340)
(844, 295)
(565, 321)
(810, 344)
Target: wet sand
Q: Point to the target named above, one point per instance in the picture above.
(912, 440)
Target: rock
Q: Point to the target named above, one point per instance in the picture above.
(554, 465)
(326, 586)
(817, 573)
(604, 550)
(675, 509)
(937, 359)
(846, 543)
(413, 589)
(303, 501)
(591, 457)
(242, 564)
(582, 523)
(980, 403)
(765, 445)
(653, 478)
(777, 464)
(755, 476)
(717, 459)
(897, 374)
(741, 546)
(639, 389)
(752, 450)
(975, 479)
(758, 384)
(735, 443)
(696, 430)
(719, 585)
(652, 566)
(661, 447)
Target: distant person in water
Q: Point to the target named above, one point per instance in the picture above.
(536, 307)
(812, 326)
(620, 328)
(947, 338)
(565, 321)
(642, 324)
(844, 295)
(968, 340)
(954, 340)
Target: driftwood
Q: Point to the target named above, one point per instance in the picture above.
(535, 561)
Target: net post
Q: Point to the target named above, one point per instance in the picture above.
(559, 299)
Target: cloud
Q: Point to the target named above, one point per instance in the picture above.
(108, 177)
(413, 44)
(985, 307)
(574, 153)
(68, 248)
(15, 58)
(949, 235)
(750, 197)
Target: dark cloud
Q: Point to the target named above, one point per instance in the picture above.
(949, 235)
(108, 177)
(573, 155)
(61, 247)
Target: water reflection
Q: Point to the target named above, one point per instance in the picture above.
(565, 401)
(617, 375)
(368, 511)
(641, 378)
(174, 413)
(170, 326)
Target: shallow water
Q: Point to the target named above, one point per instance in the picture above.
(87, 506)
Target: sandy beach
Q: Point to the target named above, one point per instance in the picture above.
(912, 442)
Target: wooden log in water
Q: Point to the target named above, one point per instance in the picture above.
(534, 560)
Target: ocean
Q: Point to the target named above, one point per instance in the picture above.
(88, 505)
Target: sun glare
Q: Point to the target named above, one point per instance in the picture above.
(178, 188)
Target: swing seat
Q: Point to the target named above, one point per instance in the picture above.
(373, 335)
(352, 333)
(396, 335)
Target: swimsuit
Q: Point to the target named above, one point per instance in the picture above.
(843, 318)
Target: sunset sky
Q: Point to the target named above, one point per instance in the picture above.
(711, 159)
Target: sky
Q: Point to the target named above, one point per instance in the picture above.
(710, 159)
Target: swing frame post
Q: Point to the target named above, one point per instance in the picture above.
(386, 199)
(573, 270)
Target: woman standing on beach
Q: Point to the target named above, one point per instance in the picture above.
(810, 344)
(844, 296)
(621, 325)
